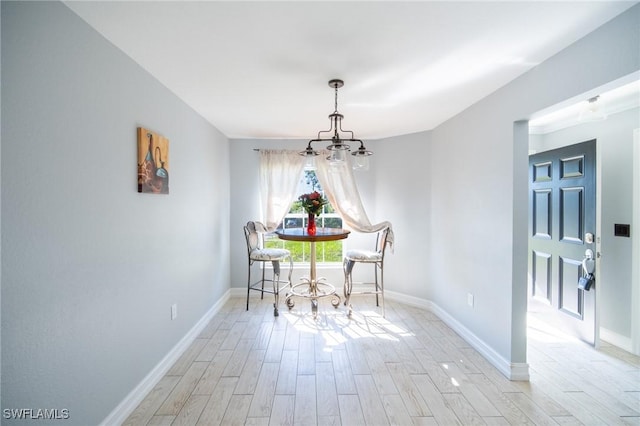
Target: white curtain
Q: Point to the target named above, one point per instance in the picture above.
(339, 184)
(280, 172)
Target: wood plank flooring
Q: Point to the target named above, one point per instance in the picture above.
(249, 368)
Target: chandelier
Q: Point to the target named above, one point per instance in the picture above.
(336, 135)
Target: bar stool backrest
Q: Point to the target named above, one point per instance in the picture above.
(384, 238)
(254, 234)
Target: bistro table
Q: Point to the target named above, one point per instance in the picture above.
(312, 288)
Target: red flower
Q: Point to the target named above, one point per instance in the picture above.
(313, 202)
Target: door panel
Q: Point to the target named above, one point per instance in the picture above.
(542, 276)
(542, 213)
(572, 167)
(571, 215)
(542, 172)
(570, 296)
(561, 209)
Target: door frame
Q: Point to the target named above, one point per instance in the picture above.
(520, 155)
(635, 250)
(598, 247)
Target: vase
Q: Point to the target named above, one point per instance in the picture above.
(311, 224)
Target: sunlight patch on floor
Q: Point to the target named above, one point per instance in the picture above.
(542, 332)
(361, 324)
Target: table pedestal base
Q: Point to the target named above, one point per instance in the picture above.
(313, 290)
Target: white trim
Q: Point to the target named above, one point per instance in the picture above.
(513, 371)
(598, 247)
(635, 249)
(238, 291)
(615, 339)
(409, 300)
(135, 397)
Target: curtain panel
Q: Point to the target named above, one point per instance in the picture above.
(339, 184)
(280, 172)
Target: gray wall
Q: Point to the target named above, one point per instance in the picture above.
(403, 197)
(90, 267)
(479, 185)
(457, 195)
(395, 188)
(615, 149)
(0, 209)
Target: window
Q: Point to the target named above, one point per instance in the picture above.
(327, 252)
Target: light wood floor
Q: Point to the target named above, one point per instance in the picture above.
(406, 369)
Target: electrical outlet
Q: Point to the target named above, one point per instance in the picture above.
(470, 299)
(174, 311)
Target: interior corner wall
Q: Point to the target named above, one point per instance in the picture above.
(245, 201)
(0, 204)
(90, 267)
(402, 196)
(614, 138)
(473, 164)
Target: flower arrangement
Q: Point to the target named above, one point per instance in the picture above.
(312, 203)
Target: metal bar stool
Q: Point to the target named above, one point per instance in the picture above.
(254, 235)
(384, 238)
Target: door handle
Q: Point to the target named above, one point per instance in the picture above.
(588, 263)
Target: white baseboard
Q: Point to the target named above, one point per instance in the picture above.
(238, 291)
(513, 371)
(616, 339)
(408, 300)
(135, 397)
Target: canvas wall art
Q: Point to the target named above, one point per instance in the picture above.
(153, 162)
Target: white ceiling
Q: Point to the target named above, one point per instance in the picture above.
(260, 69)
(596, 105)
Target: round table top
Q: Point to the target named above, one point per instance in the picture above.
(322, 234)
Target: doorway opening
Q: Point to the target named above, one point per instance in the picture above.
(611, 121)
(562, 225)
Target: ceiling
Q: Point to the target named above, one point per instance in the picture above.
(593, 106)
(260, 69)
